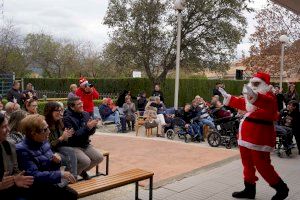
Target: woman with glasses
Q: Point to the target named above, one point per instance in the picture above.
(13, 183)
(31, 106)
(37, 159)
(59, 136)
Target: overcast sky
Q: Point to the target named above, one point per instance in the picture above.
(77, 19)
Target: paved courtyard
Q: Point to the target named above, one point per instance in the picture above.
(216, 180)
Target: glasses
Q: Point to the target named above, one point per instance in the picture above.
(34, 105)
(44, 130)
(59, 110)
(78, 104)
(255, 84)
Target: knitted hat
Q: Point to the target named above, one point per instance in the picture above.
(263, 76)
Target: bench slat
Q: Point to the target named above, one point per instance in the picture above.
(101, 184)
(110, 179)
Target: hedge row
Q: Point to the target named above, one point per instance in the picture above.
(189, 88)
(41, 105)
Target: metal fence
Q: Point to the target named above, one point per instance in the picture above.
(64, 94)
(6, 82)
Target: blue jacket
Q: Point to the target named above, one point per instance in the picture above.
(105, 111)
(78, 121)
(36, 159)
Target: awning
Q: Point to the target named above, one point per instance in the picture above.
(292, 5)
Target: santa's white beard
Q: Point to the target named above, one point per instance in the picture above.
(263, 88)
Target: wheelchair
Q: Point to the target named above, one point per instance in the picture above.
(225, 132)
(178, 128)
(284, 140)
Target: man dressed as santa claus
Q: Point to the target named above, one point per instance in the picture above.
(257, 136)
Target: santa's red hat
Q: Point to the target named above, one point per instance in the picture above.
(263, 76)
(82, 81)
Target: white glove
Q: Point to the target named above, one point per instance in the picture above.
(223, 92)
(250, 94)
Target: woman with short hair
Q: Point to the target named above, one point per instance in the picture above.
(37, 159)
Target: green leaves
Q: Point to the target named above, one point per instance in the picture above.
(145, 32)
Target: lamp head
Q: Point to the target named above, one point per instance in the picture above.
(179, 4)
(283, 39)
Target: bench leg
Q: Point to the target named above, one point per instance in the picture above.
(97, 170)
(136, 190)
(150, 187)
(107, 165)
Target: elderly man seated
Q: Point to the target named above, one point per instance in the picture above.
(111, 113)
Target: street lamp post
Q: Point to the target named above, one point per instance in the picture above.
(179, 6)
(283, 39)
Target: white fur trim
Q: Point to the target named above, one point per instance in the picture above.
(256, 79)
(256, 147)
(227, 100)
(241, 123)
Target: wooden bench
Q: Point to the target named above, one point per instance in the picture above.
(101, 184)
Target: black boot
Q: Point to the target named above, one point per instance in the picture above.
(248, 193)
(282, 191)
(132, 127)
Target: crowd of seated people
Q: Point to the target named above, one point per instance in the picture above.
(51, 150)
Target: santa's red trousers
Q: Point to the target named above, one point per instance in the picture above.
(258, 160)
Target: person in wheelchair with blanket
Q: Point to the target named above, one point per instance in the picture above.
(287, 126)
(192, 127)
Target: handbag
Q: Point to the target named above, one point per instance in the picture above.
(150, 124)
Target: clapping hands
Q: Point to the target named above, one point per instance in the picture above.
(92, 123)
(67, 134)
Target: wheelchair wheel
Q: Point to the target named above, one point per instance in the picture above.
(170, 134)
(231, 143)
(214, 139)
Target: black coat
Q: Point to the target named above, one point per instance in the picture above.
(13, 93)
(78, 121)
(158, 94)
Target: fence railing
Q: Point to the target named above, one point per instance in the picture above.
(63, 94)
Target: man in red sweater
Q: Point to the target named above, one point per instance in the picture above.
(87, 93)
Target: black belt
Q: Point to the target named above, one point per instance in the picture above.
(259, 121)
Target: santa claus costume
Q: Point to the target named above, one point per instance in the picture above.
(257, 136)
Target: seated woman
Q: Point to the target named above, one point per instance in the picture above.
(31, 106)
(160, 107)
(14, 122)
(12, 181)
(11, 107)
(129, 110)
(37, 159)
(151, 120)
(110, 113)
(59, 136)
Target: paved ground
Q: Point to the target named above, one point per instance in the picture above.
(169, 160)
(215, 182)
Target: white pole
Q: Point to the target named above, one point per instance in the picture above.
(281, 64)
(177, 61)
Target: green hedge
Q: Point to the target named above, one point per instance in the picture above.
(189, 88)
(41, 105)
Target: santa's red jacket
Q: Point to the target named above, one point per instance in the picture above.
(87, 98)
(257, 130)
